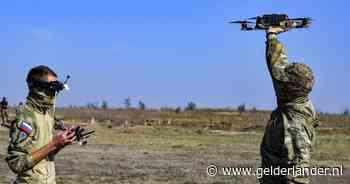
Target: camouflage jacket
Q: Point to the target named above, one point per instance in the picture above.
(295, 112)
(3, 104)
(33, 130)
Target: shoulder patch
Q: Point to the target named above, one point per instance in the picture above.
(22, 136)
(25, 127)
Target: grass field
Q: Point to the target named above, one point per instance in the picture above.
(169, 148)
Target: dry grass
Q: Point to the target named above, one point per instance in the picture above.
(179, 152)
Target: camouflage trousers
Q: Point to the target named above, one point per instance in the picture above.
(286, 143)
(4, 116)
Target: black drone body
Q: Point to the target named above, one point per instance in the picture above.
(273, 20)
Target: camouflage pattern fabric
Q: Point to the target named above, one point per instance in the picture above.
(4, 114)
(3, 104)
(289, 134)
(33, 130)
(289, 80)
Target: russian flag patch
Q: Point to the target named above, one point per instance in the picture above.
(25, 127)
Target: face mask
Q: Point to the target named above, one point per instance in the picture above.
(49, 88)
(42, 94)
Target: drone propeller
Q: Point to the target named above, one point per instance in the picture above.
(306, 18)
(241, 22)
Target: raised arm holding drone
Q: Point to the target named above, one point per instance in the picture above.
(289, 134)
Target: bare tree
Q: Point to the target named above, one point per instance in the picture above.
(178, 110)
(91, 105)
(104, 105)
(241, 108)
(127, 103)
(254, 110)
(142, 105)
(191, 106)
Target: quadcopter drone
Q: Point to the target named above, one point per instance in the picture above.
(273, 20)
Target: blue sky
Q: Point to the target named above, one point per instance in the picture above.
(167, 53)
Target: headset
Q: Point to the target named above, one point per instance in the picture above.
(53, 87)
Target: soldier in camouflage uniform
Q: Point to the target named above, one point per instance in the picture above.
(19, 109)
(3, 109)
(32, 145)
(289, 134)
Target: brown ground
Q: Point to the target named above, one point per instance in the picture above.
(169, 154)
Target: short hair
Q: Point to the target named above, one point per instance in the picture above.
(39, 73)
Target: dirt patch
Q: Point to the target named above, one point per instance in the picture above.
(170, 155)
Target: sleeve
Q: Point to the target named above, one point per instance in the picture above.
(20, 147)
(300, 143)
(276, 58)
